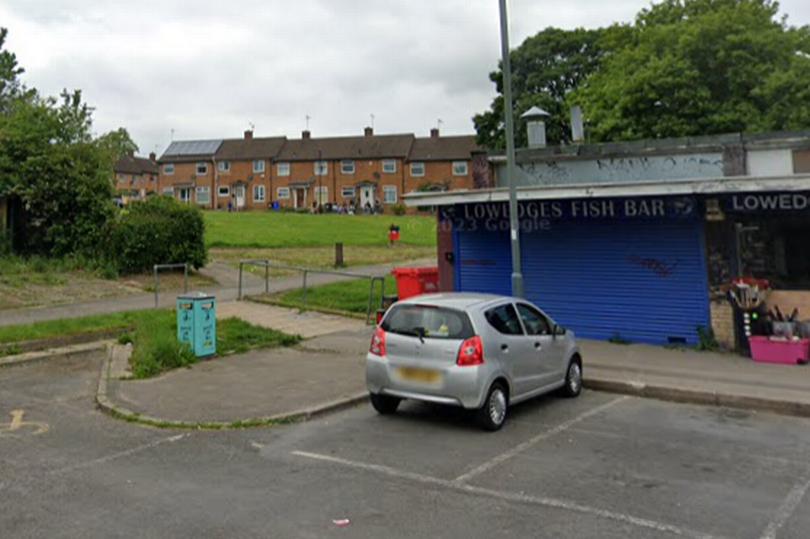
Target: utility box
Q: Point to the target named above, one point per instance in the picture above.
(197, 322)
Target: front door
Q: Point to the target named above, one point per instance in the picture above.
(184, 194)
(239, 194)
(366, 197)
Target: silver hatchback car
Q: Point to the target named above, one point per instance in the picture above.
(478, 351)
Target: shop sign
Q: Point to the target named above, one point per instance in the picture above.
(540, 214)
(768, 202)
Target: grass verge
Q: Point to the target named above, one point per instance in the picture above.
(347, 297)
(157, 350)
(267, 229)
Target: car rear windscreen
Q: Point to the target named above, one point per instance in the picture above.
(428, 322)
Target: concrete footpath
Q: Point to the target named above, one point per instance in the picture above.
(326, 373)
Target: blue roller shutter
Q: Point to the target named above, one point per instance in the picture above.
(643, 281)
(484, 262)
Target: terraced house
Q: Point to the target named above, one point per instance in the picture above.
(135, 177)
(261, 173)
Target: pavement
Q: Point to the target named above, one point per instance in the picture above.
(325, 372)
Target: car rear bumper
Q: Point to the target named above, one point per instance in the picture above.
(459, 386)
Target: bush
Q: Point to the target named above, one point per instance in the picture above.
(159, 230)
(399, 209)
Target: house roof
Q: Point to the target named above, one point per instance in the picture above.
(363, 147)
(130, 164)
(256, 148)
(190, 150)
(444, 148)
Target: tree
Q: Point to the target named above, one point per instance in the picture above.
(10, 86)
(701, 67)
(61, 175)
(545, 69)
(118, 142)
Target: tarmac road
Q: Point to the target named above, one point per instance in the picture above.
(601, 466)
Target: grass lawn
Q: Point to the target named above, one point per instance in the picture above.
(154, 334)
(346, 297)
(273, 229)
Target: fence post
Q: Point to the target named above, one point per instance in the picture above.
(239, 294)
(156, 286)
(338, 255)
(304, 294)
(266, 276)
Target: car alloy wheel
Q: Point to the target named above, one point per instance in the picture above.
(492, 414)
(573, 379)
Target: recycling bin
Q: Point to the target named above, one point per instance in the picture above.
(197, 322)
(414, 281)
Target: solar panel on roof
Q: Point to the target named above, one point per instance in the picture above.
(193, 147)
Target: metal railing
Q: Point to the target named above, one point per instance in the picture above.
(171, 266)
(305, 272)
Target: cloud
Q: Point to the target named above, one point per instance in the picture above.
(206, 69)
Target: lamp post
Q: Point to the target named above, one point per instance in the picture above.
(514, 232)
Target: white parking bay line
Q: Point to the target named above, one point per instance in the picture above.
(128, 452)
(545, 435)
(788, 507)
(508, 496)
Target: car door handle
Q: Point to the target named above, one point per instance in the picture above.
(505, 347)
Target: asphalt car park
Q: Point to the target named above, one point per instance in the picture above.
(601, 466)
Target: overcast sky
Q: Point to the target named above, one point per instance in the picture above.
(210, 69)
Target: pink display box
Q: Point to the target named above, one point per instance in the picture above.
(779, 351)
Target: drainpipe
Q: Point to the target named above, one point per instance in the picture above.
(215, 187)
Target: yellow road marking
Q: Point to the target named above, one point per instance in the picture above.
(16, 419)
(33, 428)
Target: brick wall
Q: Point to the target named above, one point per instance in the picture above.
(722, 316)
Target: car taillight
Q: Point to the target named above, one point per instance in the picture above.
(378, 343)
(471, 352)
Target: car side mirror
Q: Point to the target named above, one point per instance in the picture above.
(559, 330)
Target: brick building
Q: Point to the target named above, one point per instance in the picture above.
(135, 177)
(260, 173)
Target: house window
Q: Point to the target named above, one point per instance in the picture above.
(389, 194)
(258, 193)
(224, 166)
(151, 178)
(283, 193)
(322, 194)
(389, 166)
(202, 169)
(258, 165)
(224, 191)
(135, 178)
(184, 195)
(347, 167)
(459, 168)
(283, 169)
(168, 191)
(417, 168)
(168, 169)
(347, 191)
(202, 195)
(121, 178)
(320, 168)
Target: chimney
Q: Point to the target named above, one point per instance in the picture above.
(152, 156)
(249, 134)
(369, 131)
(131, 153)
(577, 125)
(306, 135)
(434, 133)
(535, 126)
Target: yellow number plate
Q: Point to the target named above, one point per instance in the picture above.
(416, 374)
